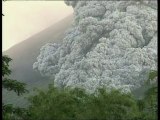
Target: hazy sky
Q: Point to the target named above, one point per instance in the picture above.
(25, 18)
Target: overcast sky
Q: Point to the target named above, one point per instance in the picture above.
(25, 18)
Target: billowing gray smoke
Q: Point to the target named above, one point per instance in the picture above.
(111, 44)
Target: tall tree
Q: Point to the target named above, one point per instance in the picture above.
(11, 85)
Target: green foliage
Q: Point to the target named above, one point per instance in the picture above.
(10, 84)
(151, 95)
(152, 75)
(5, 65)
(76, 104)
(59, 104)
(10, 112)
(148, 106)
(14, 113)
(14, 85)
(151, 102)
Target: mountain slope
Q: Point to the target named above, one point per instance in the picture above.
(25, 53)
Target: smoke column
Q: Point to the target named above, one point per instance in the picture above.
(111, 44)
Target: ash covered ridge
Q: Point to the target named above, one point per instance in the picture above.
(110, 44)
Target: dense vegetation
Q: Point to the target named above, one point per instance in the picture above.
(76, 104)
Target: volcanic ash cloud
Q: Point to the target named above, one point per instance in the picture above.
(111, 44)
